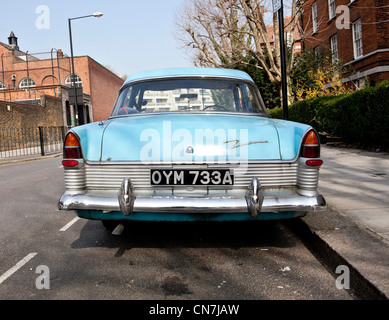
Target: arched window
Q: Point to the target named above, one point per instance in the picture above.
(77, 81)
(2, 86)
(49, 81)
(26, 83)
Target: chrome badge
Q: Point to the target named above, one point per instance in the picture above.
(189, 149)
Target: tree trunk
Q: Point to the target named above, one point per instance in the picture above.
(288, 92)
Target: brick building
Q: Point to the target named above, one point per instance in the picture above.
(26, 77)
(356, 31)
(288, 39)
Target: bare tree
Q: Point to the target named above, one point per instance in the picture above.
(224, 33)
(213, 31)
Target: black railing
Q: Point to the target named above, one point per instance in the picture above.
(16, 142)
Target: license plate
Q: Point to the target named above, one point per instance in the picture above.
(160, 177)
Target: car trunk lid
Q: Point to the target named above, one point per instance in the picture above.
(189, 137)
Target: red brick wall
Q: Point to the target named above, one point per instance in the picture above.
(101, 84)
(98, 82)
(40, 71)
(82, 70)
(104, 87)
(382, 14)
(374, 35)
(16, 115)
(327, 28)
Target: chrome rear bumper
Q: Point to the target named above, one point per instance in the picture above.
(253, 202)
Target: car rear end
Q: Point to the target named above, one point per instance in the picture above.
(189, 145)
(188, 191)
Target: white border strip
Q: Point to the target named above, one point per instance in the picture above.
(67, 226)
(17, 266)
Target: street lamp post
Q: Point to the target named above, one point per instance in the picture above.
(278, 7)
(96, 15)
(283, 63)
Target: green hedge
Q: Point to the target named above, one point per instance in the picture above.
(361, 117)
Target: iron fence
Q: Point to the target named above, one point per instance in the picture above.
(16, 142)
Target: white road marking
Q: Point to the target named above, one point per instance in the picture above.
(17, 266)
(70, 224)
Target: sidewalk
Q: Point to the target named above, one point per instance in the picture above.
(25, 158)
(354, 231)
(356, 183)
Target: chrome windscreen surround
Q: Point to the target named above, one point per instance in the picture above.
(264, 112)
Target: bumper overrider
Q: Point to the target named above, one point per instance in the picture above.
(253, 203)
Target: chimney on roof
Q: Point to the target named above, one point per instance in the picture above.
(59, 53)
(13, 41)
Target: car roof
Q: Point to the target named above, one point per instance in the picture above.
(182, 72)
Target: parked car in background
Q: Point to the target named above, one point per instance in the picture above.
(191, 144)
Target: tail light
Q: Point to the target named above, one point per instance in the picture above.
(310, 147)
(72, 151)
(314, 163)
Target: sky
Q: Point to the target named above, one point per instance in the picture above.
(131, 36)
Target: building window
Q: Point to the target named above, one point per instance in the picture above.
(314, 17)
(331, 9)
(2, 86)
(26, 83)
(357, 38)
(360, 83)
(77, 81)
(334, 47)
(161, 101)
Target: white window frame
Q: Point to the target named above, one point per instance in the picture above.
(2, 86)
(27, 83)
(334, 47)
(360, 83)
(77, 82)
(331, 9)
(314, 18)
(357, 38)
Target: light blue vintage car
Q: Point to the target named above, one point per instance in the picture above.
(191, 144)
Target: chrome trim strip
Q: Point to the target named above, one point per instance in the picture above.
(186, 77)
(252, 114)
(270, 175)
(110, 177)
(189, 162)
(193, 205)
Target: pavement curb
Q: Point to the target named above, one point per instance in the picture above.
(336, 240)
(21, 159)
